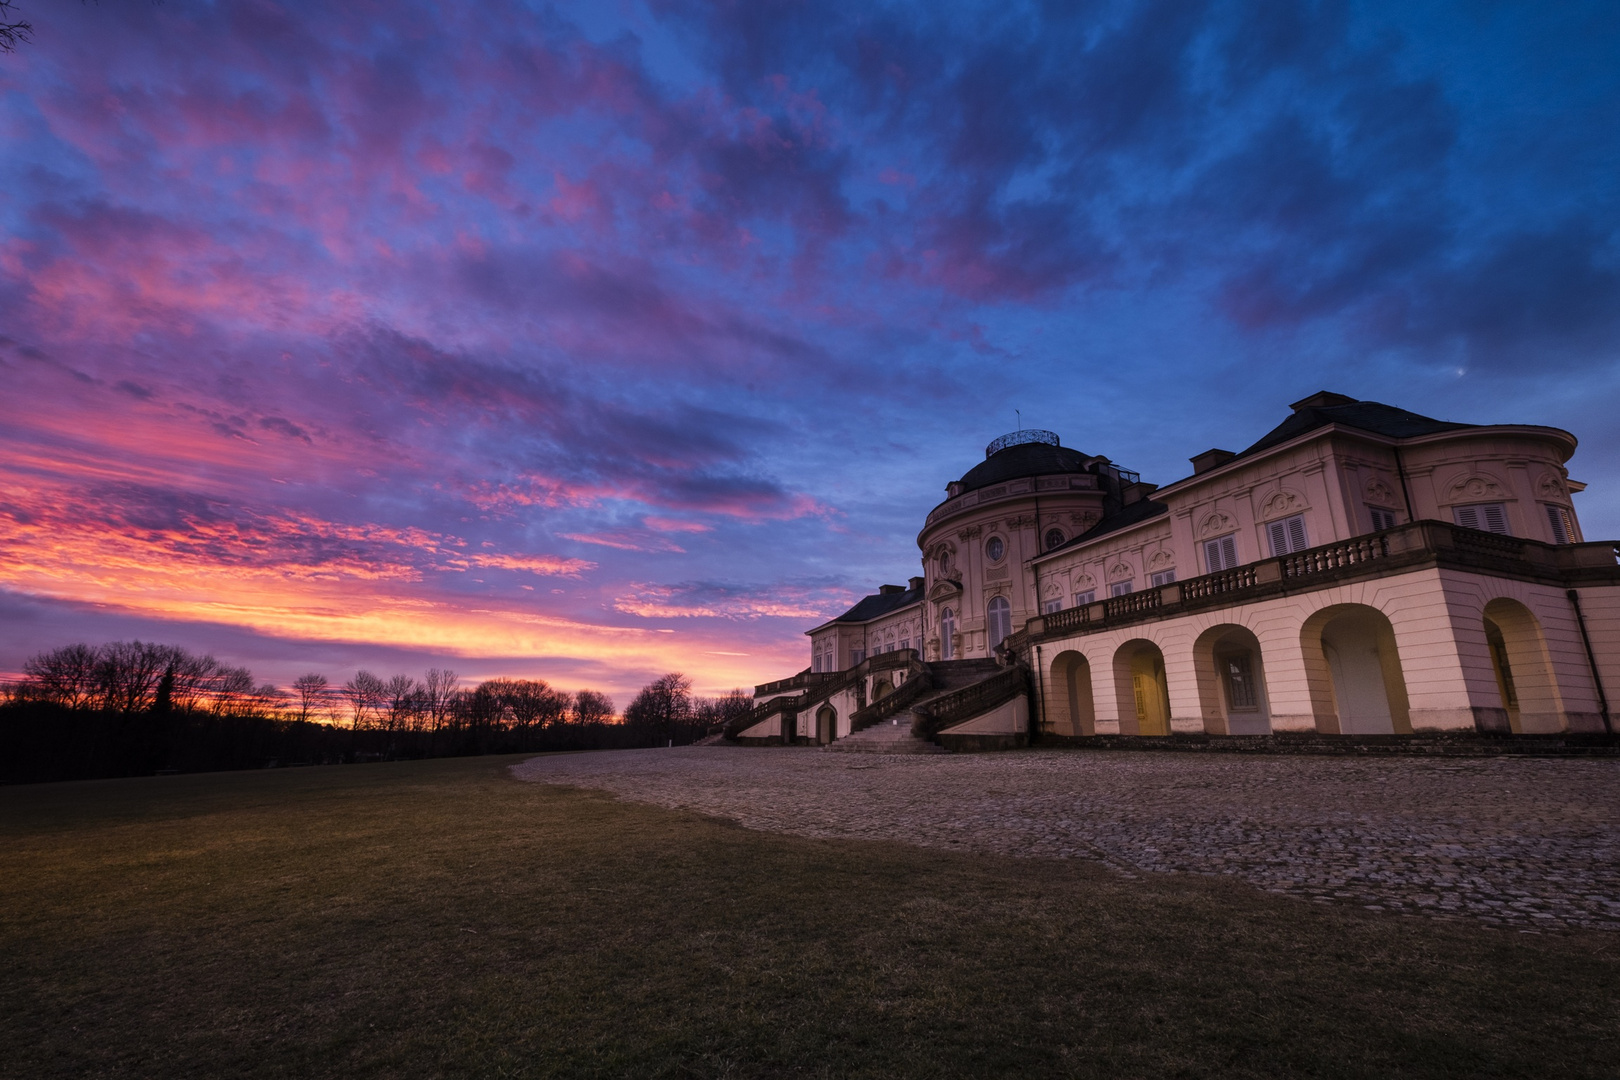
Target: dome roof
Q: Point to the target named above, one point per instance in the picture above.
(1023, 459)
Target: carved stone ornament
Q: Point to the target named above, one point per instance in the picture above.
(968, 532)
(1120, 571)
(1216, 524)
(1161, 560)
(1052, 589)
(1082, 582)
(1083, 520)
(1473, 488)
(1379, 493)
(1551, 487)
(1281, 502)
(1024, 522)
(944, 589)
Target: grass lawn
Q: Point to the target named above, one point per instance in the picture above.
(438, 918)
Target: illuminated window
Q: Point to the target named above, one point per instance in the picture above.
(1563, 529)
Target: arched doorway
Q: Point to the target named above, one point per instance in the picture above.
(1142, 690)
(1519, 660)
(1354, 672)
(1231, 681)
(826, 725)
(1070, 709)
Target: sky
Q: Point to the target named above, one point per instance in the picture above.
(589, 342)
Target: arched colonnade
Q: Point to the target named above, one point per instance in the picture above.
(1343, 668)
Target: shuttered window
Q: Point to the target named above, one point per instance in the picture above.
(1287, 535)
(1051, 606)
(1083, 598)
(1381, 519)
(1562, 531)
(1119, 588)
(1221, 553)
(856, 656)
(1164, 577)
(1487, 517)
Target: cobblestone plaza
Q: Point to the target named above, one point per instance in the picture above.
(1522, 843)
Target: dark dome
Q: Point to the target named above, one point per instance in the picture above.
(1023, 459)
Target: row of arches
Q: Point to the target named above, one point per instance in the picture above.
(1353, 672)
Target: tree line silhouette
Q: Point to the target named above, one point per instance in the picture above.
(137, 708)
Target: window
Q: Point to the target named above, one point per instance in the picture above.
(1054, 537)
(1083, 598)
(1489, 517)
(856, 656)
(945, 564)
(1051, 606)
(1287, 535)
(815, 663)
(1119, 588)
(1164, 577)
(995, 548)
(947, 631)
(905, 643)
(1220, 553)
(1239, 682)
(1000, 621)
(1382, 519)
(1563, 529)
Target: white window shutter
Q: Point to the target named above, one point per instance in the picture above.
(1279, 537)
(1212, 556)
(1229, 551)
(1560, 525)
(1296, 533)
(1495, 516)
(1467, 516)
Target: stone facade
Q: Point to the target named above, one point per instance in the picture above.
(1358, 570)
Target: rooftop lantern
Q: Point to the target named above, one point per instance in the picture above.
(1018, 438)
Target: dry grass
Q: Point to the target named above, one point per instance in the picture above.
(438, 918)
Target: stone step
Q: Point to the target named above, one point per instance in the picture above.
(886, 738)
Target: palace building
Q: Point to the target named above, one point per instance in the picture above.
(1358, 570)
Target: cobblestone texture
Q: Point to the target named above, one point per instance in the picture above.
(1516, 842)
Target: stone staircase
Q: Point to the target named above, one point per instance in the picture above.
(893, 736)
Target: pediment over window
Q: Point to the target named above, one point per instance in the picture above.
(1551, 487)
(945, 589)
(1474, 488)
(1216, 524)
(1281, 503)
(1161, 560)
(1119, 571)
(1379, 493)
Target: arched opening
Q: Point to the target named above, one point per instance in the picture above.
(790, 729)
(881, 688)
(1142, 690)
(826, 725)
(1231, 681)
(1000, 621)
(947, 634)
(1070, 709)
(1354, 672)
(1523, 670)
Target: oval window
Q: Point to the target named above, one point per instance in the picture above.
(996, 548)
(1054, 537)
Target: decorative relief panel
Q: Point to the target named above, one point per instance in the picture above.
(1474, 488)
(1282, 502)
(968, 533)
(1083, 520)
(1379, 493)
(998, 573)
(1052, 589)
(1120, 571)
(1551, 487)
(1026, 521)
(1161, 560)
(1082, 582)
(1216, 524)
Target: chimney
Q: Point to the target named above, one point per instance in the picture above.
(889, 590)
(1209, 459)
(1322, 399)
(914, 583)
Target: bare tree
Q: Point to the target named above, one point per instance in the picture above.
(663, 709)
(364, 693)
(400, 701)
(65, 676)
(438, 695)
(13, 31)
(592, 707)
(312, 691)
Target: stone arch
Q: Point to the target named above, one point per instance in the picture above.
(1231, 681)
(881, 688)
(1070, 707)
(1523, 668)
(1141, 688)
(826, 724)
(1353, 671)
